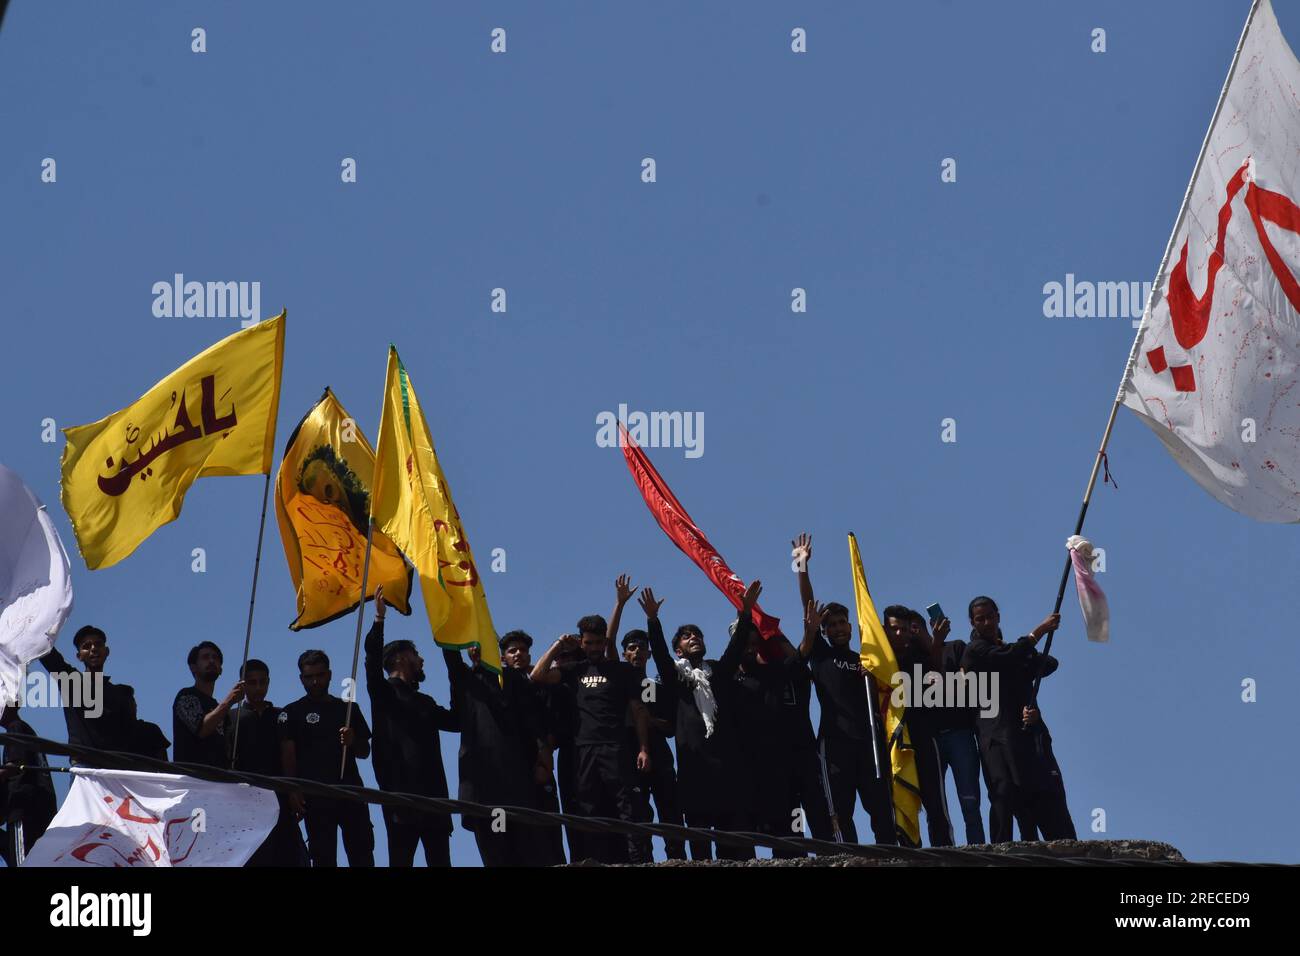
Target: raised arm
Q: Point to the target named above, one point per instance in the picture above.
(381, 692)
(544, 671)
(812, 627)
(730, 659)
(801, 553)
(623, 591)
(658, 646)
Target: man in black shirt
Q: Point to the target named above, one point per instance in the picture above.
(314, 739)
(853, 768)
(661, 782)
(516, 655)
(953, 724)
(27, 802)
(105, 715)
(198, 721)
(606, 693)
(253, 734)
(707, 791)
(760, 723)
(500, 750)
(916, 654)
(1024, 779)
(408, 750)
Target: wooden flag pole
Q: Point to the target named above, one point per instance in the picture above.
(356, 649)
(1137, 339)
(252, 599)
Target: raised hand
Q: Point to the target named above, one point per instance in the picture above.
(1050, 623)
(624, 588)
(649, 604)
(812, 617)
(801, 551)
(751, 597)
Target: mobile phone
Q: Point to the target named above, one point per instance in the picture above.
(935, 612)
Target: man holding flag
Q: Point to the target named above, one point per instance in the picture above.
(1023, 777)
(412, 505)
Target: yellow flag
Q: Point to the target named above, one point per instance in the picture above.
(877, 657)
(322, 504)
(126, 475)
(411, 503)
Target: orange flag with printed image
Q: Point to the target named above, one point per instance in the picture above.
(322, 504)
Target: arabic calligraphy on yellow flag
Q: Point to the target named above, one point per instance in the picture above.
(322, 505)
(411, 503)
(126, 475)
(878, 659)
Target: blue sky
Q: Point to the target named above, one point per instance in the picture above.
(775, 171)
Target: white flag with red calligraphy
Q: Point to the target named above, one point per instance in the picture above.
(119, 818)
(1216, 374)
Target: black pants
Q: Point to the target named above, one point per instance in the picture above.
(409, 830)
(1037, 803)
(567, 777)
(324, 818)
(808, 790)
(550, 844)
(661, 784)
(604, 789)
(851, 775)
(702, 849)
(283, 846)
(934, 799)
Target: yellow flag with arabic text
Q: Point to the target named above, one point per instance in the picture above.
(411, 503)
(126, 475)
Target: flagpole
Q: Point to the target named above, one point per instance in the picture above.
(1137, 339)
(252, 599)
(356, 649)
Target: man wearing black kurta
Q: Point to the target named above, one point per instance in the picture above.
(500, 744)
(256, 749)
(109, 721)
(1024, 779)
(408, 751)
(704, 787)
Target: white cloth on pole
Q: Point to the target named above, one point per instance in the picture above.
(1216, 370)
(35, 583)
(121, 818)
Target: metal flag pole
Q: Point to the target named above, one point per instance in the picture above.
(1137, 339)
(252, 599)
(356, 648)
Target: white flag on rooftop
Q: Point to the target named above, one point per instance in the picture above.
(120, 818)
(1216, 370)
(35, 583)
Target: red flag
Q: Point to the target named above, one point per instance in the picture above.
(686, 534)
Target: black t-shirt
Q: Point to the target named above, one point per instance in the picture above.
(188, 710)
(952, 716)
(258, 750)
(601, 691)
(313, 726)
(839, 677)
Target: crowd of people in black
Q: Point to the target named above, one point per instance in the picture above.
(587, 731)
